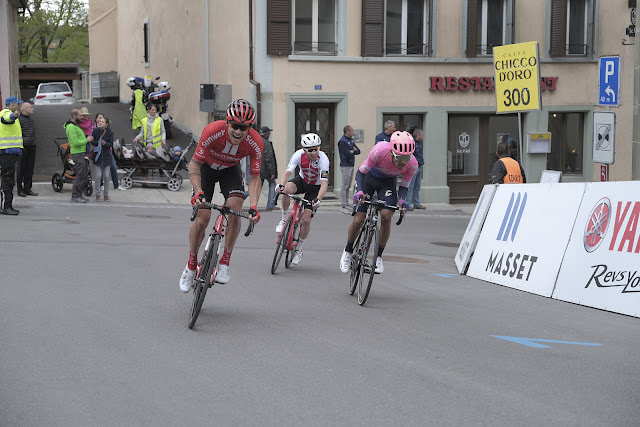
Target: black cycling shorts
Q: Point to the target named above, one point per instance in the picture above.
(384, 187)
(310, 191)
(230, 180)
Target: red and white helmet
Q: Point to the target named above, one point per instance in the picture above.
(241, 111)
(402, 143)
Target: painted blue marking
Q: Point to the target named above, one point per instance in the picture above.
(506, 217)
(517, 224)
(514, 213)
(445, 275)
(531, 342)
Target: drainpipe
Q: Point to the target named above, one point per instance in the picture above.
(635, 150)
(251, 80)
(208, 55)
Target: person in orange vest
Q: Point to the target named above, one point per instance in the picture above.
(506, 170)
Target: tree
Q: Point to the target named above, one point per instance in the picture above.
(54, 31)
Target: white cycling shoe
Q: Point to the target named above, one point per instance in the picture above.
(345, 262)
(297, 257)
(186, 280)
(379, 266)
(280, 226)
(222, 274)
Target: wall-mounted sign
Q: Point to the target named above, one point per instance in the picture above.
(539, 142)
(604, 131)
(452, 84)
(517, 70)
(358, 135)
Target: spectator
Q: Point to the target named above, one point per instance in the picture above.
(103, 141)
(152, 130)
(28, 158)
(127, 153)
(348, 151)
(177, 153)
(506, 170)
(86, 125)
(389, 128)
(413, 196)
(114, 167)
(10, 151)
(269, 168)
(78, 147)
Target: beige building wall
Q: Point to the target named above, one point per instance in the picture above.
(103, 36)
(9, 84)
(362, 88)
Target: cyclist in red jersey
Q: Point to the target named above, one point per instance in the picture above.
(217, 159)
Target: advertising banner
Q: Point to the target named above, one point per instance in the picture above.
(471, 234)
(602, 264)
(517, 77)
(525, 235)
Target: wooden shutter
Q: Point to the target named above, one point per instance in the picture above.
(558, 44)
(278, 27)
(430, 33)
(472, 28)
(372, 27)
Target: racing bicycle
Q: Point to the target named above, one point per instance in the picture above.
(363, 259)
(206, 271)
(290, 234)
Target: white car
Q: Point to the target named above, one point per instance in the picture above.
(54, 93)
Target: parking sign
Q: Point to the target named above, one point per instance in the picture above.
(609, 82)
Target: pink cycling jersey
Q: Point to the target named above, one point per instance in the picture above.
(215, 149)
(379, 164)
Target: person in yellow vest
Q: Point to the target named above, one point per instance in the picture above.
(152, 131)
(10, 151)
(506, 170)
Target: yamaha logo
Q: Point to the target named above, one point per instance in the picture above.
(597, 225)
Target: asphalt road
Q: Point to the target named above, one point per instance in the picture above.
(93, 332)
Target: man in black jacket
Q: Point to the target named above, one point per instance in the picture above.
(28, 158)
(348, 151)
(269, 168)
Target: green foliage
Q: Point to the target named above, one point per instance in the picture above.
(54, 31)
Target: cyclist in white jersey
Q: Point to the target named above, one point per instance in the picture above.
(312, 180)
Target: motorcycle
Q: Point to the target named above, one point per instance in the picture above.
(153, 93)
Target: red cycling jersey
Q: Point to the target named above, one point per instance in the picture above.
(215, 149)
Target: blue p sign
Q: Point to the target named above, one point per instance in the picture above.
(609, 84)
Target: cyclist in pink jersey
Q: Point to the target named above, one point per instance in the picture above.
(312, 180)
(377, 174)
(216, 159)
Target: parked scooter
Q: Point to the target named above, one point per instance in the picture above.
(150, 92)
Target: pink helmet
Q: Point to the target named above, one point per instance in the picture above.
(402, 143)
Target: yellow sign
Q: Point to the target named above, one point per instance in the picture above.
(541, 135)
(517, 71)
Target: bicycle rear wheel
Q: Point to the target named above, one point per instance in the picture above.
(202, 280)
(368, 266)
(354, 269)
(290, 242)
(280, 246)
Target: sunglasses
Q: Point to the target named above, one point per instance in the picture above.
(237, 126)
(401, 158)
(312, 149)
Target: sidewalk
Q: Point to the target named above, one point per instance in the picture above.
(159, 195)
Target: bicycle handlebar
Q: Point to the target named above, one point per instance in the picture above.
(225, 210)
(379, 204)
(302, 200)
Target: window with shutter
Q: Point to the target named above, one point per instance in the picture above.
(314, 27)
(278, 27)
(372, 27)
(408, 27)
(489, 23)
(572, 29)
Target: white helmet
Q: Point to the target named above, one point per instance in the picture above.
(164, 86)
(131, 82)
(310, 140)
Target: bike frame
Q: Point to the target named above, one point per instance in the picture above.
(218, 228)
(296, 212)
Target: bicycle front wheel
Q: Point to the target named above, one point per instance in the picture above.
(368, 265)
(354, 269)
(203, 278)
(280, 246)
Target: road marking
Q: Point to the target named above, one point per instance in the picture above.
(446, 275)
(531, 342)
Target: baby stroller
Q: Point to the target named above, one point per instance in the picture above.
(68, 174)
(146, 168)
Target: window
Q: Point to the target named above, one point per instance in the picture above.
(408, 122)
(315, 27)
(406, 27)
(397, 27)
(489, 24)
(567, 130)
(572, 29)
(145, 29)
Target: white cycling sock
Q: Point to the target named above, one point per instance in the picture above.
(300, 243)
